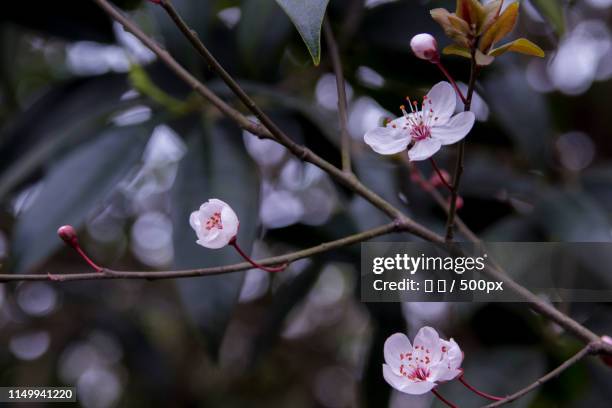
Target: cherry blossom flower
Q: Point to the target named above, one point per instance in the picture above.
(423, 131)
(215, 224)
(425, 47)
(418, 369)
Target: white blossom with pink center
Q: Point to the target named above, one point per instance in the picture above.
(215, 224)
(418, 369)
(423, 132)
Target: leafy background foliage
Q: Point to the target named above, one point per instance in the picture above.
(79, 145)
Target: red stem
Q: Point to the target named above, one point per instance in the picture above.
(87, 259)
(442, 178)
(441, 398)
(452, 81)
(243, 254)
(478, 392)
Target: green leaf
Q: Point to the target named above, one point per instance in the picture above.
(552, 10)
(501, 27)
(307, 16)
(73, 188)
(216, 166)
(454, 49)
(522, 46)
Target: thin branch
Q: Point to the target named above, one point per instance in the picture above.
(217, 270)
(450, 222)
(588, 349)
(345, 137)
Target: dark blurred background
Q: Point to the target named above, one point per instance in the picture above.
(95, 132)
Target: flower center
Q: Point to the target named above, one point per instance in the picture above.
(214, 221)
(420, 121)
(415, 367)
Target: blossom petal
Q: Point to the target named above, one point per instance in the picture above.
(396, 345)
(428, 339)
(441, 99)
(230, 223)
(424, 149)
(396, 381)
(441, 373)
(450, 362)
(418, 387)
(389, 139)
(454, 355)
(196, 224)
(456, 128)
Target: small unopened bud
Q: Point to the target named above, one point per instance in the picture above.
(68, 234)
(425, 47)
(607, 359)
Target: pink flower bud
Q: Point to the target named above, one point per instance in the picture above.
(68, 234)
(425, 47)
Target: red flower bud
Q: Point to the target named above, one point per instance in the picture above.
(68, 234)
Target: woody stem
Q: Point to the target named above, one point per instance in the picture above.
(441, 398)
(247, 258)
(478, 392)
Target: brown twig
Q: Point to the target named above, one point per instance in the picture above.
(106, 273)
(345, 137)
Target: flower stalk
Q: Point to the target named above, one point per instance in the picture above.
(477, 391)
(444, 400)
(250, 260)
(450, 78)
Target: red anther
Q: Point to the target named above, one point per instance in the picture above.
(155, 1)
